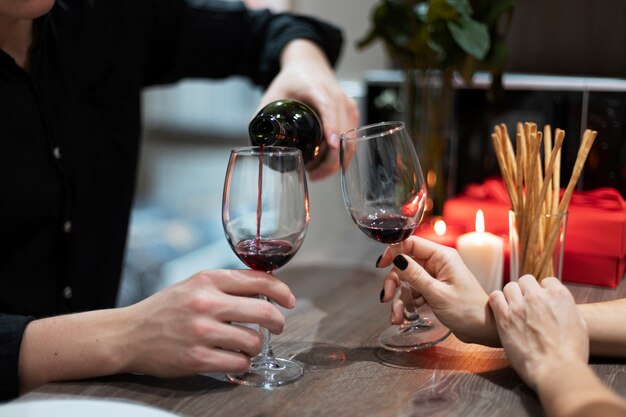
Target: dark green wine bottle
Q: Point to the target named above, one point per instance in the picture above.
(293, 124)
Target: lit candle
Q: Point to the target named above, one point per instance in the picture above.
(482, 253)
(439, 232)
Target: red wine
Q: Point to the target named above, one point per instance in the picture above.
(387, 228)
(259, 195)
(293, 124)
(264, 254)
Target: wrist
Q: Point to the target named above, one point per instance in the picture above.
(489, 335)
(604, 323)
(73, 346)
(566, 384)
(483, 328)
(301, 51)
(121, 341)
(547, 371)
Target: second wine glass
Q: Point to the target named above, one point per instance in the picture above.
(265, 213)
(385, 194)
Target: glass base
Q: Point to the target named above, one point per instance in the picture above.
(421, 333)
(265, 372)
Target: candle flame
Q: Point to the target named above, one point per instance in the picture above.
(431, 178)
(440, 227)
(480, 221)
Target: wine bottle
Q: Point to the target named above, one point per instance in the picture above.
(293, 124)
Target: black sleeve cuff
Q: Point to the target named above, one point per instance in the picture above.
(11, 333)
(286, 28)
(217, 39)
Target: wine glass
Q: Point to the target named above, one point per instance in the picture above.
(385, 193)
(265, 213)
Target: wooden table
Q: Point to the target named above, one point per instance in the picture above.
(333, 333)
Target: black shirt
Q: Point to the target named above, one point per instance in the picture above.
(70, 137)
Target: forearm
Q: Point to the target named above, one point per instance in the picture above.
(570, 388)
(605, 324)
(73, 346)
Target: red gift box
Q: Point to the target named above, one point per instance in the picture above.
(595, 242)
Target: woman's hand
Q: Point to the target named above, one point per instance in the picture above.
(307, 76)
(546, 340)
(539, 327)
(440, 278)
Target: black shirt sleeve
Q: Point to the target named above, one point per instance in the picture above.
(11, 333)
(215, 39)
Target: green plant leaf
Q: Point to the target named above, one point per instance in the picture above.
(471, 36)
(448, 35)
(461, 6)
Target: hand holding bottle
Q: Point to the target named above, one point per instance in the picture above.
(307, 76)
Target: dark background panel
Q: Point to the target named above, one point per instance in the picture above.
(471, 158)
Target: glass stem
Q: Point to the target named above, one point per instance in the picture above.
(410, 311)
(267, 355)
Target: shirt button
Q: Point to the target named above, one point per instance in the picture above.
(56, 152)
(67, 292)
(67, 226)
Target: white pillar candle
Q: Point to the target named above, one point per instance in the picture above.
(482, 252)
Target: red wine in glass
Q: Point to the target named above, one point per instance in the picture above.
(264, 254)
(259, 197)
(387, 228)
(385, 193)
(265, 213)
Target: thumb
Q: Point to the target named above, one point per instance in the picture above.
(416, 276)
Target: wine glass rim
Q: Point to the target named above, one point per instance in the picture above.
(394, 126)
(267, 150)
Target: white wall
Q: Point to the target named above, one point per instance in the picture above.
(353, 17)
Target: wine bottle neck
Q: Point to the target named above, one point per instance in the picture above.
(266, 130)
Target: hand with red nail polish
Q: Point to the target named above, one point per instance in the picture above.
(439, 278)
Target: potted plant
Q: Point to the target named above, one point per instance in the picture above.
(431, 41)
